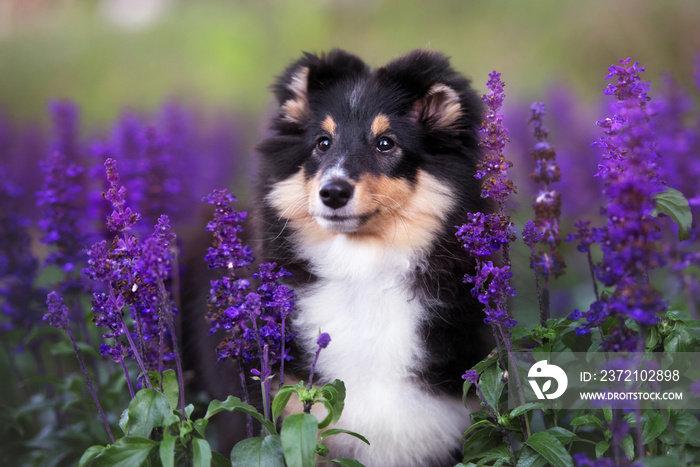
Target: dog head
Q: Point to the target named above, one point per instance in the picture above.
(372, 152)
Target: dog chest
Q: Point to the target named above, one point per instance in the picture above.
(363, 299)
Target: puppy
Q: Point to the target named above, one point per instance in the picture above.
(363, 178)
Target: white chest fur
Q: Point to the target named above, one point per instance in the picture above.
(363, 299)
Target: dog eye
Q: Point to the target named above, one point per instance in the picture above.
(323, 143)
(385, 144)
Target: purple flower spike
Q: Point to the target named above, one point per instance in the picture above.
(63, 221)
(253, 320)
(628, 240)
(122, 219)
(494, 167)
(228, 251)
(531, 233)
(58, 312)
(547, 206)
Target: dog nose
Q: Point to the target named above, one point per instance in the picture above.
(336, 193)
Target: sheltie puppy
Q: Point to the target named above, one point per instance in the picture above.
(363, 178)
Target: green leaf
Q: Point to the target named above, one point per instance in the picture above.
(654, 425)
(298, 435)
(200, 425)
(652, 339)
(591, 420)
(189, 408)
(601, 448)
(281, 399)
(491, 385)
(337, 431)
(684, 423)
(125, 452)
(672, 203)
(124, 420)
(201, 452)
(531, 458)
(563, 435)
(679, 340)
(476, 425)
(234, 403)
(219, 460)
(481, 441)
(525, 408)
(171, 389)
(665, 461)
(90, 454)
(628, 446)
(166, 451)
(347, 462)
(147, 410)
(259, 452)
(498, 453)
(607, 414)
(335, 394)
(551, 449)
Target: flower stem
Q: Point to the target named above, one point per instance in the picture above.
(591, 267)
(246, 398)
(176, 347)
(137, 356)
(88, 381)
(282, 356)
(128, 378)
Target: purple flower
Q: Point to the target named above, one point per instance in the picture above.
(629, 238)
(490, 288)
(484, 234)
(493, 169)
(134, 274)
(153, 169)
(582, 459)
(227, 250)
(585, 235)
(471, 376)
(58, 312)
(531, 233)
(21, 302)
(109, 314)
(695, 388)
(63, 220)
(65, 117)
(547, 203)
(575, 315)
(156, 257)
(323, 340)
(254, 321)
(122, 218)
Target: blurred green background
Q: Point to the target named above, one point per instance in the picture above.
(223, 54)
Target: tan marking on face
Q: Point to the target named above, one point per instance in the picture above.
(380, 124)
(296, 109)
(405, 216)
(328, 125)
(400, 214)
(293, 199)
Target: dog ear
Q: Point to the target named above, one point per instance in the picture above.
(313, 73)
(439, 96)
(439, 108)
